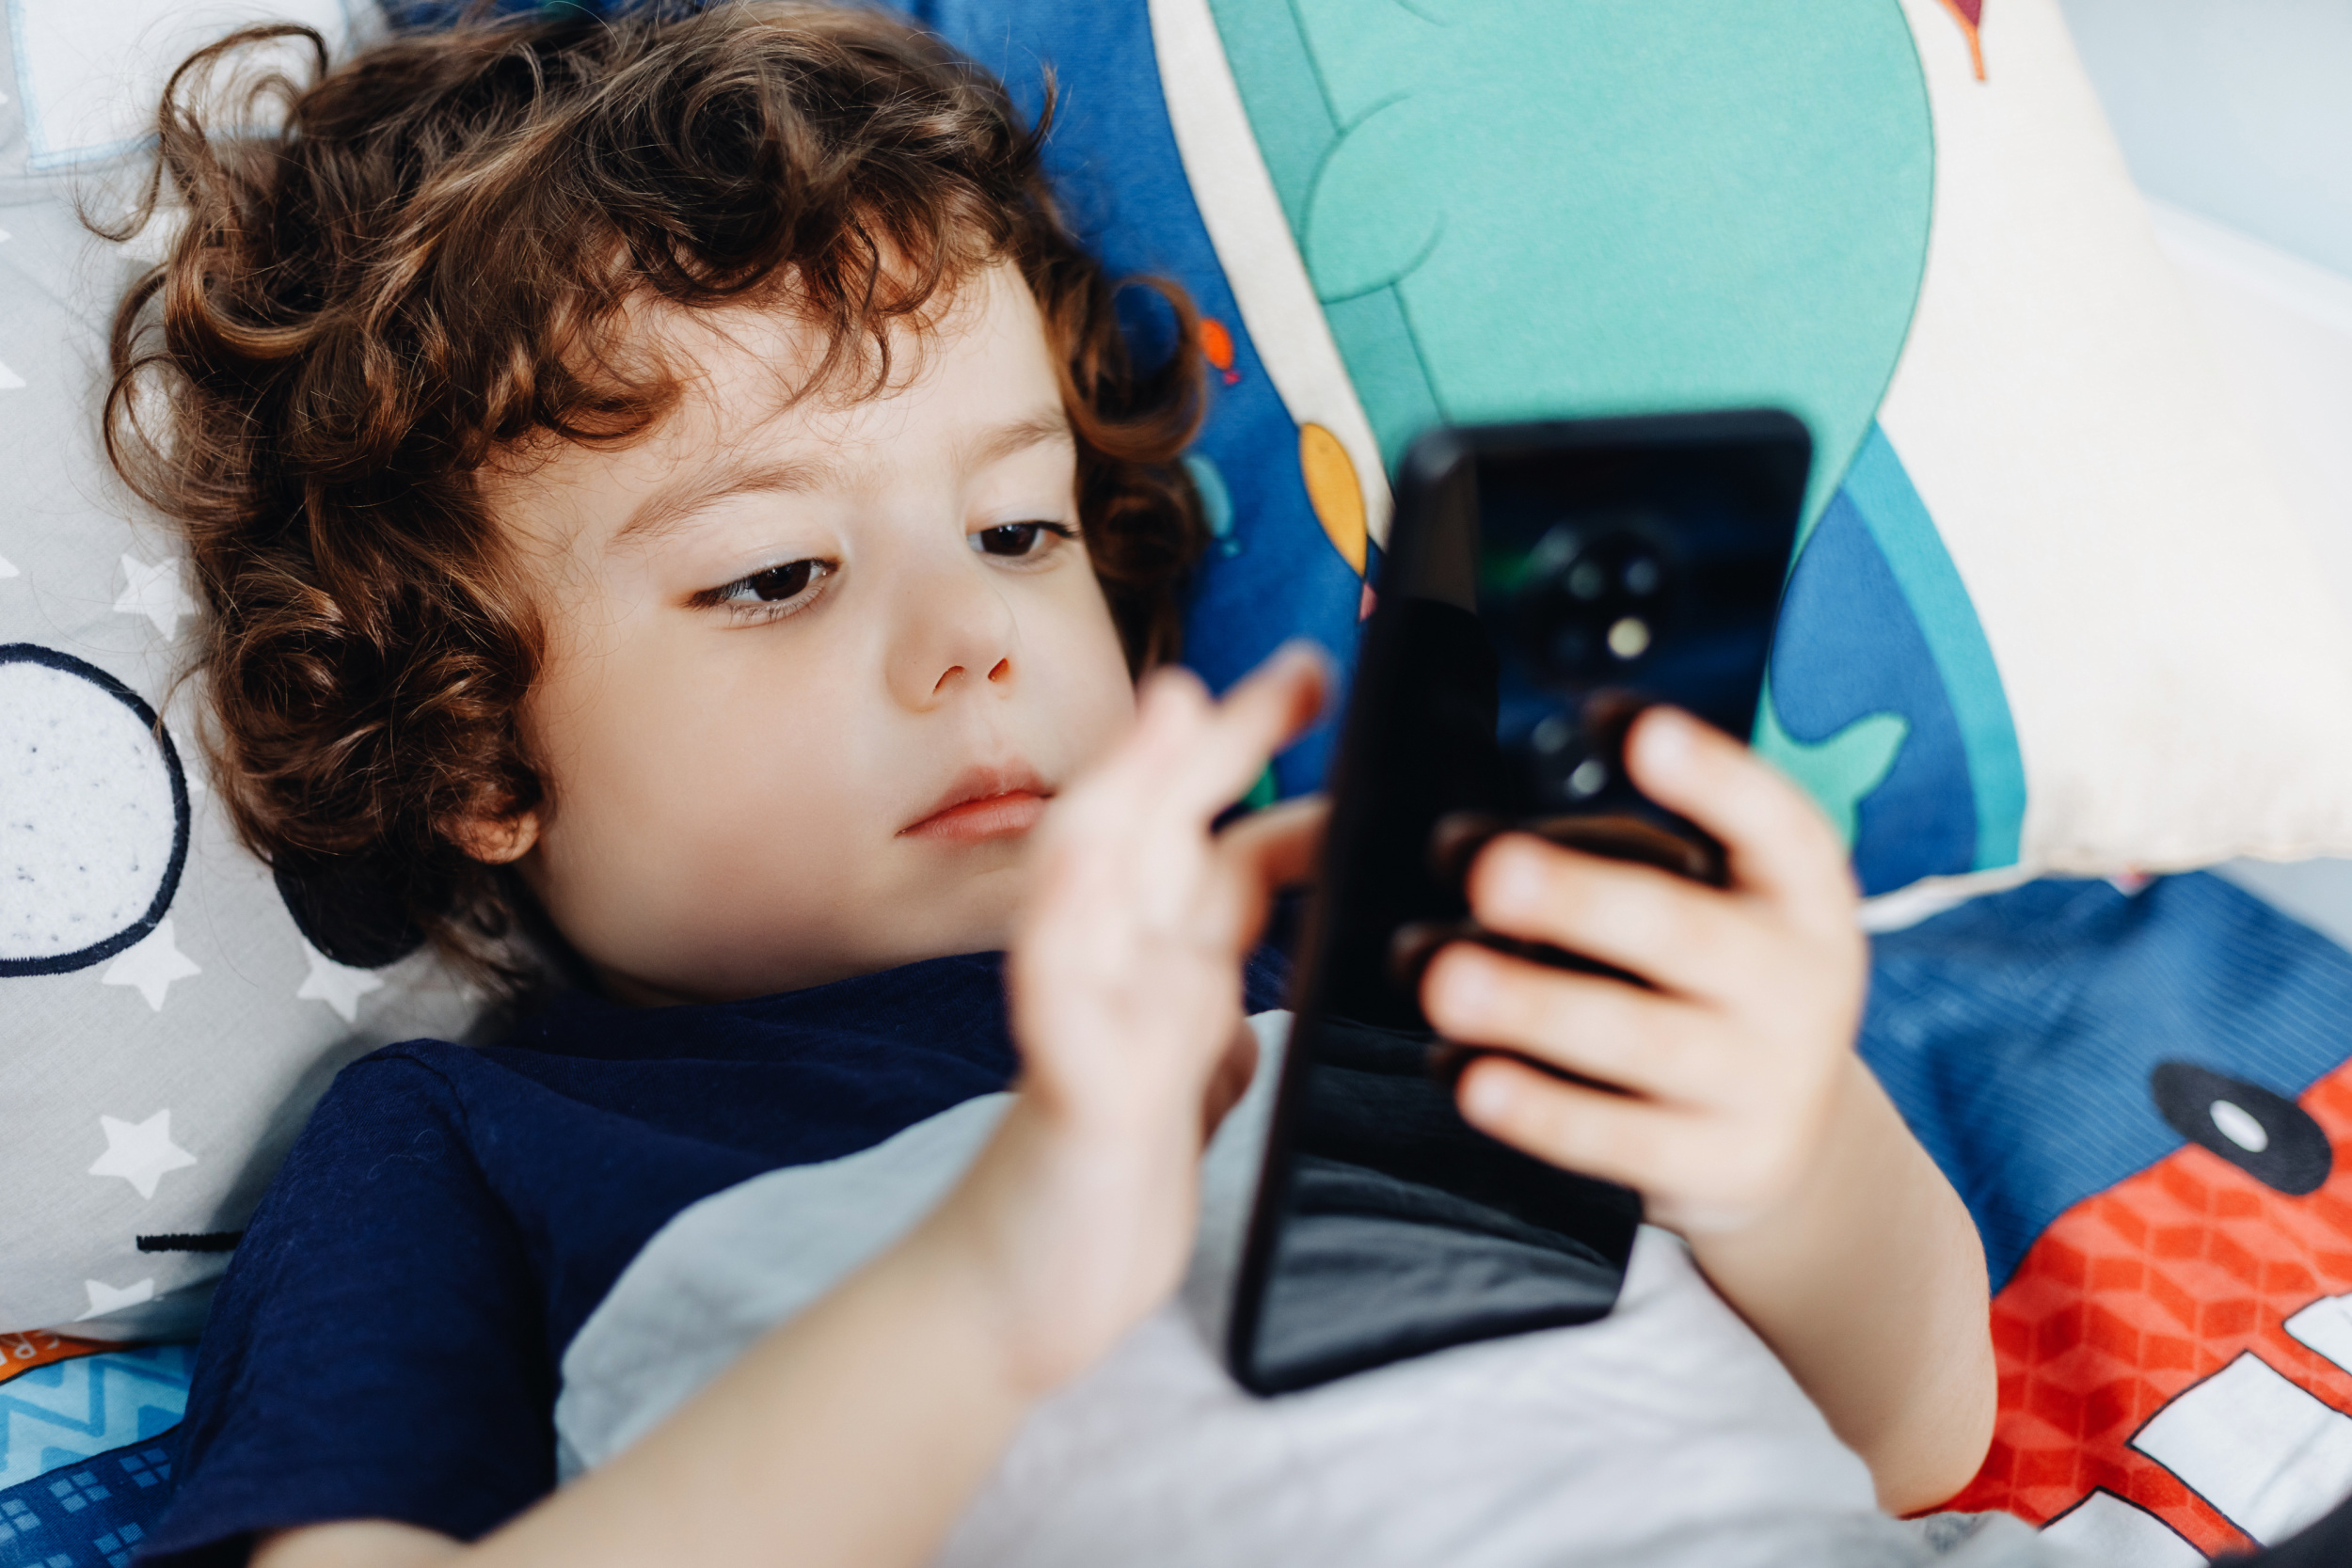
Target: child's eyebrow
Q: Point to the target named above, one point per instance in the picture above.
(1001, 441)
(664, 509)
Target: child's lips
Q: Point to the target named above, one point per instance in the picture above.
(1005, 816)
(983, 803)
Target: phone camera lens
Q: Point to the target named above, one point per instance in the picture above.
(1588, 779)
(1554, 736)
(1628, 638)
(1593, 599)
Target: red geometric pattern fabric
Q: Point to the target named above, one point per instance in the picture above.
(2139, 1294)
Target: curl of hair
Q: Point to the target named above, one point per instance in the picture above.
(428, 263)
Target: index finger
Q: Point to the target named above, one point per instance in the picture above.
(1189, 756)
(1781, 847)
(1261, 713)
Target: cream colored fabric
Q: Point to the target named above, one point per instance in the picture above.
(2177, 664)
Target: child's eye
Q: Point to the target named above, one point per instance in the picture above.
(777, 583)
(1019, 539)
(770, 593)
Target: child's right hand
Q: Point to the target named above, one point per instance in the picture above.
(1744, 1118)
(1125, 990)
(1736, 1058)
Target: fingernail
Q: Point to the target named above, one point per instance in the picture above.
(1300, 656)
(1296, 650)
(1667, 738)
(1486, 1097)
(1464, 990)
(1514, 884)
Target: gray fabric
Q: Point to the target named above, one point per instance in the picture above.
(725, 1270)
(2233, 111)
(1995, 1540)
(1667, 1434)
(2317, 893)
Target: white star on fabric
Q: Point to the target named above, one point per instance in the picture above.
(105, 1298)
(156, 592)
(338, 986)
(140, 1152)
(10, 380)
(7, 570)
(151, 964)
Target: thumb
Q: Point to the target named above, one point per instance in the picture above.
(1261, 853)
(1276, 848)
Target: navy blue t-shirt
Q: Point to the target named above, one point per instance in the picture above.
(386, 1343)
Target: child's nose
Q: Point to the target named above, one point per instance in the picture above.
(955, 632)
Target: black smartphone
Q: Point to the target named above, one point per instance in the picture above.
(1543, 584)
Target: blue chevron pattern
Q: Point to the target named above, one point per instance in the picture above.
(90, 1514)
(69, 1411)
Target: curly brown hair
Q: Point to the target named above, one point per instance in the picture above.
(429, 264)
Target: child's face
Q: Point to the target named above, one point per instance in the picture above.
(812, 672)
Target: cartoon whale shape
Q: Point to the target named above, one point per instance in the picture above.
(1510, 211)
(1505, 212)
(1885, 700)
(1449, 209)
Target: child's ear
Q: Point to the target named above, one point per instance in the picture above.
(496, 840)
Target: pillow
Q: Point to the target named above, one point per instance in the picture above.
(89, 76)
(2010, 643)
(168, 1022)
(2053, 612)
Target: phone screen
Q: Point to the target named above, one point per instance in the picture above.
(1543, 584)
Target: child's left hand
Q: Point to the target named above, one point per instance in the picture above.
(1124, 978)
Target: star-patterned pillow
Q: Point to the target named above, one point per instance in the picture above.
(166, 1022)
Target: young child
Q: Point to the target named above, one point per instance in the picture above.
(670, 478)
